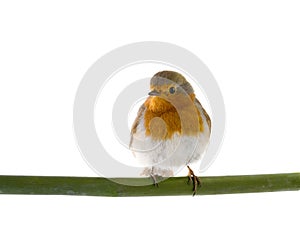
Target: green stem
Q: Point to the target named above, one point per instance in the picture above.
(92, 186)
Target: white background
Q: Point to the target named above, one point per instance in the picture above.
(251, 47)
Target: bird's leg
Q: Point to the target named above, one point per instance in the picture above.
(153, 177)
(195, 179)
(189, 175)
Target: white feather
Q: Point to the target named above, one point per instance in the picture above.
(166, 158)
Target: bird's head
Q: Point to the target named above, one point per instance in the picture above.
(169, 83)
(168, 88)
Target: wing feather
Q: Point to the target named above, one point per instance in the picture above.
(204, 113)
(136, 122)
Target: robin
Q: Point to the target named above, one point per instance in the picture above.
(171, 129)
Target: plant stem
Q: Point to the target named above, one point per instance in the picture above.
(96, 186)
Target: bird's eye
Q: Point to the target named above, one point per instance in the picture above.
(172, 90)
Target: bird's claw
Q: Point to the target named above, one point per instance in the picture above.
(154, 180)
(195, 179)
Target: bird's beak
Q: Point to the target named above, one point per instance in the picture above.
(154, 93)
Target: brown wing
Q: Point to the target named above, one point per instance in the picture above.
(204, 112)
(136, 122)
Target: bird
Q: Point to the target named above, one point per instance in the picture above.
(171, 129)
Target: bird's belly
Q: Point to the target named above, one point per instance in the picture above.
(167, 157)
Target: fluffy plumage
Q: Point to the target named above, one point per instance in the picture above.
(172, 129)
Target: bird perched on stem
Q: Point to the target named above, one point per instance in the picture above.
(171, 130)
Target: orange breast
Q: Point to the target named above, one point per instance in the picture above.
(162, 119)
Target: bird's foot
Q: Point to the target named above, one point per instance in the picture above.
(154, 180)
(196, 181)
(154, 177)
